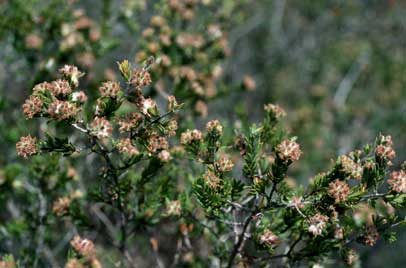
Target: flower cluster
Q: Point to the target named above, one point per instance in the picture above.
(338, 190)
(289, 150)
(317, 224)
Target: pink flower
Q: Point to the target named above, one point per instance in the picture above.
(26, 146)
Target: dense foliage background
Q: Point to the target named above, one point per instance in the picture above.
(337, 67)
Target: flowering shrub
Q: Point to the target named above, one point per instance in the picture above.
(226, 201)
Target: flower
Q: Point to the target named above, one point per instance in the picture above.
(71, 72)
(42, 87)
(191, 136)
(371, 236)
(164, 156)
(125, 147)
(26, 146)
(269, 238)
(84, 247)
(211, 179)
(214, 126)
(79, 97)
(289, 150)
(173, 208)
(201, 108)
(224, 164)
(338, 190)
(397, 181)
(351, 257)
(131, 121)
(249, 83)
(156, 143)
(317, 224)
(61, 110)
(61, 206)
(141, 78)
(101, 128)
(172, 104)
(171, 127)
(109, 89)
(339, 233)
(60, 88)
(385, 149)
(275, 110)
(349, 167)
(32, 107)
(149, 107)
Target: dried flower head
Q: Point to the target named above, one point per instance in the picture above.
(269, 238)
(201, 108)
(173, 208)
(125, 146)
(61, 206)
(84, 247)
(60, 88)
(214, 126)
(109, 89)
(338, 190)
(191, 136)
(62, 110)
(339, 233)
(317, 223)
(224, 164)
(32, 107)
(349, 167)
(289, 150)
(101, 128)
(26, 146)
(72, 73)
(397, 181)
(41, 87)
(384, 150)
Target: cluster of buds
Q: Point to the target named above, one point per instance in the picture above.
(384, 150)
(27, 146)
(110, 89)
(317, 223)
(275, 111)
(72, 73)
(339, 190)
(215, 127)
(288, 150)
(269, 238)
(130, 122)
(101, 128)
(191, 136)
(371, 236)
(212, 180)
(224, 164)
(397, 181)
(349, 167)
(126, 147)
